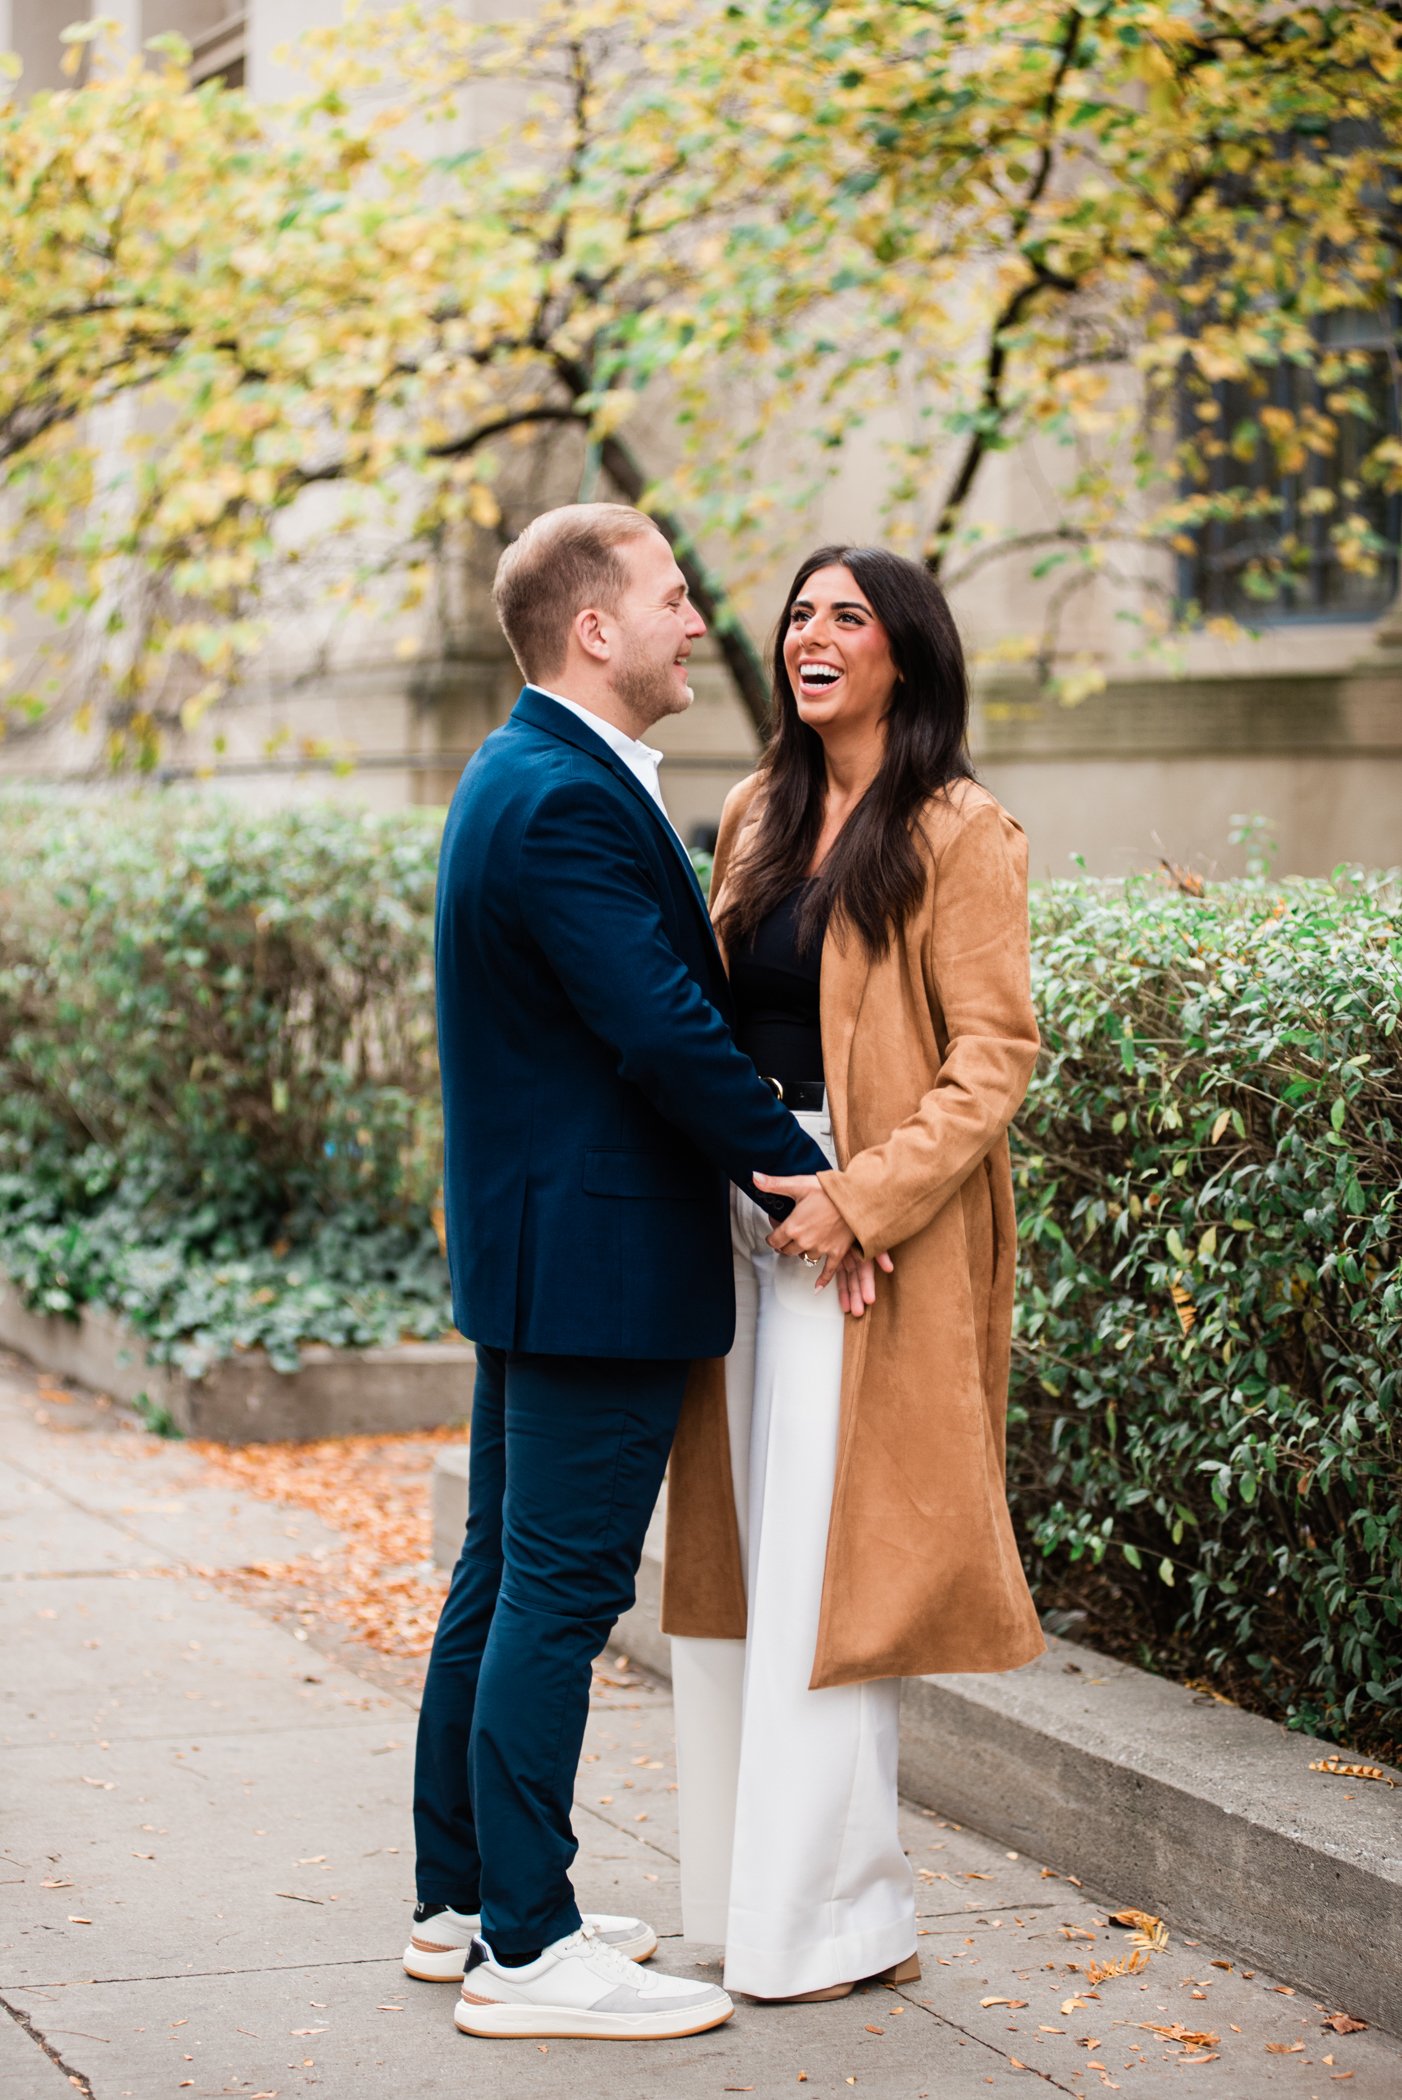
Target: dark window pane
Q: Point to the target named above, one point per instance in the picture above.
(1279, 559)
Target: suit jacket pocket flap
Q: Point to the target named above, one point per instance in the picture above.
(651, 1175)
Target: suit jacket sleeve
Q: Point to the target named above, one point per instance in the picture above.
(592, 907)
(977, 960)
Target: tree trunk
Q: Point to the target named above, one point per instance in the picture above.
(708, 593)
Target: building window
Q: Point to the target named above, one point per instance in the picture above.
(1281, 560)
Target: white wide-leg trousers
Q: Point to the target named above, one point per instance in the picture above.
(790, 1847)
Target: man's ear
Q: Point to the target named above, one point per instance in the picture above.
(592, 634)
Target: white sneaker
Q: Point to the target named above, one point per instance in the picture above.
(583, 1986)
(437, 1949)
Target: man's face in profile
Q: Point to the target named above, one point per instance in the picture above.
(657, 627)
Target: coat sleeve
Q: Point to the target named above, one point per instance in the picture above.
(591, 906)
(977, 958)
(732, 818)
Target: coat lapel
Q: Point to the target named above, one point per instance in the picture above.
(541, 712)
(846, 972)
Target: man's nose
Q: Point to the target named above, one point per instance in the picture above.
(695, 625)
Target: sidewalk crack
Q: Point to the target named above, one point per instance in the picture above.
(982, 2042)
(279, 1968)
(75, 2078)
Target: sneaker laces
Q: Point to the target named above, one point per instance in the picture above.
(604, 1958)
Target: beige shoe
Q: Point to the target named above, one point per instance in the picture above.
(907, 1971)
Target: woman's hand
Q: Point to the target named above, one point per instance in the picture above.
(814, 1229)
(856, 1282)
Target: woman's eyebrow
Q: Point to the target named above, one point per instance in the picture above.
(839, 605)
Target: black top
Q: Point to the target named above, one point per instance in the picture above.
(776, 996)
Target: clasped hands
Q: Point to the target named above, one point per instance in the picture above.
(816, 1230)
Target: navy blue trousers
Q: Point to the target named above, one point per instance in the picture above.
(568, 1454)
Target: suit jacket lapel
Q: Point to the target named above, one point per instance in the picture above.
(541, 712)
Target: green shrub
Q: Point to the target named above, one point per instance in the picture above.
(218, 1108)
(1208, 1357)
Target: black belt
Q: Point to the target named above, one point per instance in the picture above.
(805, 1094)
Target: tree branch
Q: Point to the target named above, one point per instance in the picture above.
(1042, 279)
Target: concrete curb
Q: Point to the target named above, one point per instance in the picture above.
(337, 1392)
(1162, 1799)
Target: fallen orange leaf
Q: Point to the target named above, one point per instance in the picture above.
(1179, 2033)
(1122, 1965)
(1343, 1771)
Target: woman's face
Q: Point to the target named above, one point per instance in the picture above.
(837, 655)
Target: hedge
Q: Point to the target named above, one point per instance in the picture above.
(1208, 1360)
(218, 1111)
(217, 1099)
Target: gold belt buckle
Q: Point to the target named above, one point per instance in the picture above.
(776, 1084)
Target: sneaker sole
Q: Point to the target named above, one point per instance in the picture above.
(448, 1964)
(445, 1966)
(567, 2023)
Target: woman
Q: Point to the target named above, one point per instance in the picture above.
(837, 1517)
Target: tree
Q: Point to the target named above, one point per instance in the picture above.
(1075, 219)
(710, 243)
(303, 297)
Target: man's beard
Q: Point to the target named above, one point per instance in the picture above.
(647, 688)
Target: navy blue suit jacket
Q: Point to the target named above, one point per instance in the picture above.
(595, 1104)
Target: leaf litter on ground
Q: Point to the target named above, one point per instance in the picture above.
(374, 1491)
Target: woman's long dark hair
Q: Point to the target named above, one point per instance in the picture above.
(874, 876)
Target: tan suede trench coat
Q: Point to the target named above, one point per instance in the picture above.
(927, 1053)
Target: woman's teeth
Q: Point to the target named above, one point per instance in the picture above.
(817, 678)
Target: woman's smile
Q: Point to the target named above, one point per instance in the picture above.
(817, 677)
(837, 654)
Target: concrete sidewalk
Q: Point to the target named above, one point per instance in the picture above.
(207, 1860)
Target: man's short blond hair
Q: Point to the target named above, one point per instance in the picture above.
(564, 561)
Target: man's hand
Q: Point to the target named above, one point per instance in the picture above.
(856, 1282)
(814, 1228)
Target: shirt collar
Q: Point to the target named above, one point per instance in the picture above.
(617, 740)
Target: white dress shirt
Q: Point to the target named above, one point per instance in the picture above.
(641, 760)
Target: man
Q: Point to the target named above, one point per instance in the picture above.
(594, 1107)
